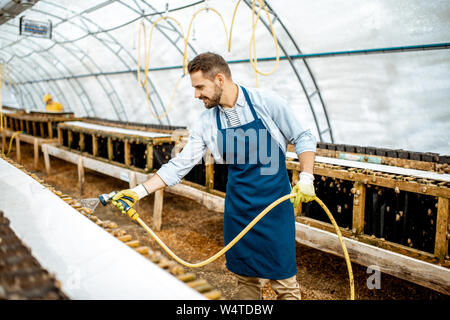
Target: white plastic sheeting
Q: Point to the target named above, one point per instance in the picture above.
(87, 260)
(392, 100)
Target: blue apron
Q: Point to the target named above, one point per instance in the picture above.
(268, 249)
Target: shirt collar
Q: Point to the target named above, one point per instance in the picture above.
(240, 102)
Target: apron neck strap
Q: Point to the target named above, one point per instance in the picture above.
(249, 102)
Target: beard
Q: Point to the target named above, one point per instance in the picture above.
(214, 100)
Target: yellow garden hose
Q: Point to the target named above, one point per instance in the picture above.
(133, 214)
(185, 59)
(252, 47)
(144, 84)
(10, 141)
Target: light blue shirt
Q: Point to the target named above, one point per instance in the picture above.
(274, 112)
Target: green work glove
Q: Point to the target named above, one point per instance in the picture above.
(126, 199)
(304, 189)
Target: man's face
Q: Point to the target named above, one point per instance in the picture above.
(206, 90)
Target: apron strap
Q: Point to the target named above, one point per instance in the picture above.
(219, 126)
(249, 102)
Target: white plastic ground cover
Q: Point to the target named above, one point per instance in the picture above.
(116, 129)
(379, 167)
(89, 262)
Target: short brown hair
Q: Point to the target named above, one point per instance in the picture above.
(210, 64)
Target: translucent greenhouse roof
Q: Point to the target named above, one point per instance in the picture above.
(369, 73)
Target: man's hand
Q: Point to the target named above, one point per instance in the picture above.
(304, 189)
(126, 199)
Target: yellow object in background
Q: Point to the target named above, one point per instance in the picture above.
(54, 106)
(50, 104)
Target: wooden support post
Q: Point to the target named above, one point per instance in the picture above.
(149, 156)
(94, 145)
(69, 139)
(18, 156)
(441, 241)
(41, 126)
(33, 125)
(295, 178)
(133, 179)
(359, 203)
(81, 142)
(36, 152)
(21, 125)
(110, 148)
(80, 174)
(209, 171)
(50, 129)
(27, 126)
(60, 137)
(46, 159)
(127, 152)
(17, 126)
(157, 209)
(4, 141)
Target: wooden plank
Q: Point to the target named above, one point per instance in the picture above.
(127, 155)
(359, 204)
(27, 126)
(60, 136)
(149, 155)
(50, 129)
(36, 153)
(410, 186)
(18, 155)
(33, 125)
(94, 145)
(81, 143)
(133, 179)
(441, 241)
(157, 209)
(423, 273)
(69, 139)
(4, 141)
(80, 168)
(387, 245)
(41, 126)
(110, 148)
(46, 158)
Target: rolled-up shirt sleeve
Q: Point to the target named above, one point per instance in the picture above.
(289, 125)
(179, 166)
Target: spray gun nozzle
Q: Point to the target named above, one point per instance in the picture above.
(105, 198)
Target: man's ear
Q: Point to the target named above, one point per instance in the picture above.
(220, 79)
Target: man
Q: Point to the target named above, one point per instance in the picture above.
(50, 105)
(248, 129)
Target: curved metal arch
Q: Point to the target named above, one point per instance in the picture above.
(28, 96)
(297, 73)
(83, 92)
(108, 94)
(174, 43)
(114, 40)
(59, 91)
(40, 89)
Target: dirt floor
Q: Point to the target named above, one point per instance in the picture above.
(195, 233)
